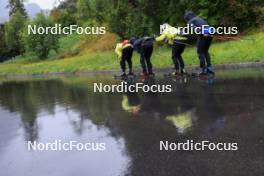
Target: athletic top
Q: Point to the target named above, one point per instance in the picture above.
(141, 42)
(196, 21)
(170, 34)
(119, 48)
(127, 106)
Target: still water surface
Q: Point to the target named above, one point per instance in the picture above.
(226, 109)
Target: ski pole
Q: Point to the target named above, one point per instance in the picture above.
(183, 43)
(226, 37)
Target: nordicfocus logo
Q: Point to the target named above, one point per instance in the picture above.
(124, 87)
(205, 29)
(190, 145)
(58, 145)
(57, 29)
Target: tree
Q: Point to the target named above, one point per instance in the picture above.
(84, 10)
(41, 44)
(70, 5)
(94, 11)
(63, 17)
(3, 47)
(13, 31)
(2, 39)
(130, 18)
(64, 14)
(17, 5)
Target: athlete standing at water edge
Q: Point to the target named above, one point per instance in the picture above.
(203, 43)
(144, 46)
(124, 52)
(172, 37)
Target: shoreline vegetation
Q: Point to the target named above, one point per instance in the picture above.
(89, 79)
(68, 54)
(218, 67)
(83, 54)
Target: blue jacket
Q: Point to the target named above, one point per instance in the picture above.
(141, 42)
(194, 20)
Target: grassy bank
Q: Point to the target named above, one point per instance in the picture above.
(88, 57)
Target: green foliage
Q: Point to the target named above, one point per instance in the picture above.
(126, 18)
(16, 5)
(140, 17)
(63, 17)
(3, 47)
(65, 13)
(41, 44)
(70, 5)
(262, 15)
(97, 11)
(83, 10)
(241, 13)
(13, 31)
(248, 49)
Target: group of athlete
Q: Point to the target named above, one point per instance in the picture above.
(177, 41)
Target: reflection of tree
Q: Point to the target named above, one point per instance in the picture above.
(29, 99)
(210, 108)
(32, 98)
(16, 98)
(78, 123)
(142, 135)
(9, 126)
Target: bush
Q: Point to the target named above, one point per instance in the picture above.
(41, 44)
(13, 34)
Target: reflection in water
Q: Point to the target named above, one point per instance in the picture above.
(182, 121)
(131, 125)
(131, 103)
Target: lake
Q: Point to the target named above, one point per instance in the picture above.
(228, 108)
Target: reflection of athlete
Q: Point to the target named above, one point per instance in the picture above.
(182, 121)
(144, 46)
(203, 43)
(131, 103)
(172, 37)
(124, 52)
(212, 110)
